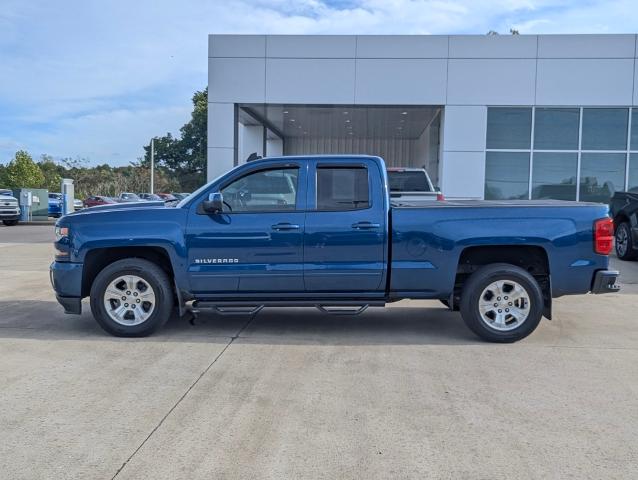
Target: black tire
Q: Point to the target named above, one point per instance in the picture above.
(624, 243)
(475, 286)
(10, 223)
(150, 273)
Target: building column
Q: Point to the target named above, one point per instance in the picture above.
(462, 164)
(221, 139)
(251, 140)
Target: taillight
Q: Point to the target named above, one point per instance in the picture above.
(603, 236)
(440, 197)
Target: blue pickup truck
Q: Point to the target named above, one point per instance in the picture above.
(323, 232)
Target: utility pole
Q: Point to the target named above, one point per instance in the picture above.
(152, 165)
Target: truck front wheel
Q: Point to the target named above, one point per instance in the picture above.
(10, 223)
(501, 303)
(131, 298)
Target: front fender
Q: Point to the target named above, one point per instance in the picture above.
(160, 228)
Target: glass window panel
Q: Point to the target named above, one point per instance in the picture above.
(509, 128)
(264, 190)
(605, 128)
(556, 129)
(554, 176)
(506, 175)
(633, 171)
(601, 174)
(342, 188)
(634, 129)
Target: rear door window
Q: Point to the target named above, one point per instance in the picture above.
(342, 188)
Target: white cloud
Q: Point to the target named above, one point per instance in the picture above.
(98, 79)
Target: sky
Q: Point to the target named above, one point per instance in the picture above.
(97, 79)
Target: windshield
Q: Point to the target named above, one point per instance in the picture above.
(55, 196)
(129, 196)
(408, 181)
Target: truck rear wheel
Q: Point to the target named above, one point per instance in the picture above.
(502, 303)
(624, 244)
(131, 298)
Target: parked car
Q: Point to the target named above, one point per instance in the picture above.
(55, 205)
(245, 241)
(624, 210)
(412, 184)
(9, 208)
(150, 197)
(94, 200)
(167, 197)
(181, 195)
(126, 197)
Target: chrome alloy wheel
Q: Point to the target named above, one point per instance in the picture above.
(622, 241)
(129, 300)
(504, 305)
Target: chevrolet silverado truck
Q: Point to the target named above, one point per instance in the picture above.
(323, 232)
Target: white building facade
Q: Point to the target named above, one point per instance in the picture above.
(495, 117)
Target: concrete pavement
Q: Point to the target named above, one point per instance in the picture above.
(405, 392)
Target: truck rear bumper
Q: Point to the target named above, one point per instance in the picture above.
(605, 282)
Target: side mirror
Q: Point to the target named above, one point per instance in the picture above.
(214, 204)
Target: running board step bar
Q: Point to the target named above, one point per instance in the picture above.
(244, 307)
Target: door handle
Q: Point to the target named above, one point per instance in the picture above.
(285, 226)
(365, 225)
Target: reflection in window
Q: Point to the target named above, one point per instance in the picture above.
(554, 176)
(633, 171)
(264, 190)
(556, 128)
(506, 175)
(634, 129)
(342, 188)
(601, 174)
(509, 128)
(604, 129)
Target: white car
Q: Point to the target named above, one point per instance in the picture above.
(9, 208)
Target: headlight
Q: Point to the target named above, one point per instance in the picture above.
(61, 232)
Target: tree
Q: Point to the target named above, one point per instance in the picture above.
(184, 158)
(51, 171)
(23, 172)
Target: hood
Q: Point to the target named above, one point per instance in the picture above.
(121, 206)
(7, 199)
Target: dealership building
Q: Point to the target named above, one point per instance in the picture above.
(495, 117)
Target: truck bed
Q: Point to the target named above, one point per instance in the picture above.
(413, 203)
(428, 240)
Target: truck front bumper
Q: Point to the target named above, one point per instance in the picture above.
(605, 281)
(66, 279)
(9, 215)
